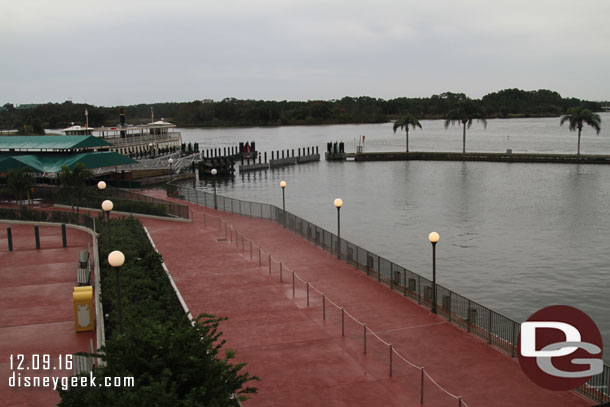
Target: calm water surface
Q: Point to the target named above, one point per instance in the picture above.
(514, 237)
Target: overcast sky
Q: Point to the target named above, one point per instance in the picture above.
(125, 52)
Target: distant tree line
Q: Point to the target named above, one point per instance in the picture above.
(506, 103)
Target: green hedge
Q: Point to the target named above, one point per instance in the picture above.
(173, 362)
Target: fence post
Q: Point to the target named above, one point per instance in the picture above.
(450, 305)
(391, 276)
(468, 317)
(422, 387)
(307, 293)
(225, 228)
(378, 269)
(512, 354)
(293, 284)
(269, 264)
(324, 307)
(459, 401)
(419, 289)
(390, 360)
(64, 241)
(37, 236)
(9, 236)
(489, 327)
(342, 321)
(365, 339)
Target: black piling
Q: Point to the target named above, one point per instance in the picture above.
(265, 157)
(64, 241)
(37, 236)
(9, 236)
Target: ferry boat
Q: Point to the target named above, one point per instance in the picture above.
(127, 139)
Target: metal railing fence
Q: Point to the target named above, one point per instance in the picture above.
(498, 330)
(170, 208)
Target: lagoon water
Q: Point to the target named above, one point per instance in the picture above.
(514, 237)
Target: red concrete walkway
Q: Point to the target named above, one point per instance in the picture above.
(303, 359)
(36, 314)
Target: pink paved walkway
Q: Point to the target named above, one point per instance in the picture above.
(303, 360)
(36, 315)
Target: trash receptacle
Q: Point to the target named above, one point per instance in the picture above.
(83, 308)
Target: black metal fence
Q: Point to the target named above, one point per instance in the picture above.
(159, 206)
(498, 330)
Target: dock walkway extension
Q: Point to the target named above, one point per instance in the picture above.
(302, 359)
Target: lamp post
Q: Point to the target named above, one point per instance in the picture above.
(116, 260)
(107, 206)
(170, 162)
(434, 237)
(338, 203)
(214, 172)
(283, 185)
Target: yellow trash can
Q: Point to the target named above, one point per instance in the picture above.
(84, 317)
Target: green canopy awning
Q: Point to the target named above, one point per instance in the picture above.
(50, 142)
(54, 162)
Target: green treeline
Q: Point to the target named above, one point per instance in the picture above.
(235, 112)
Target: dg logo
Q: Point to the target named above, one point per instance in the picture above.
(560, 348)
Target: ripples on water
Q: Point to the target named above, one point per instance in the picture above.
(514, 237)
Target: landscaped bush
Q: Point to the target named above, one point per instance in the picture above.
(173, 362)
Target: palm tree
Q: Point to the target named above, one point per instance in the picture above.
(464, 112)
(408, 120)
(578, 117)
(75, 183)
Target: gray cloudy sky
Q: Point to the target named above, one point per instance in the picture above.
(129, 51)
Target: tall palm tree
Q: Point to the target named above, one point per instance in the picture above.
(578, 117)
(405, 122)
(464, 112)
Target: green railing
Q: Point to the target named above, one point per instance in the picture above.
(498, 330)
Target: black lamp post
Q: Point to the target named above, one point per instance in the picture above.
(107, 206)
(283, 185)
(433, 237)
(338, 204)
(116, 260)
(171, 173)
(214, 172)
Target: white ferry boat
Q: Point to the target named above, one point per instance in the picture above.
(126, 139)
